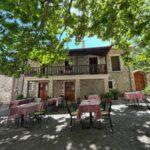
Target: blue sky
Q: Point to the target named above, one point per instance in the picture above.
(89, 42)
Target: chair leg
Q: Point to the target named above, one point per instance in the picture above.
(110, 123)
(71, 123)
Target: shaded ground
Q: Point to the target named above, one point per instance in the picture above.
(131, 132)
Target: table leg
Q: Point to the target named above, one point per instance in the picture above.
(22, 120)
(137, 102)
(91, 122)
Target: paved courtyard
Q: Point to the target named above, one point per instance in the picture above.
(131, 132)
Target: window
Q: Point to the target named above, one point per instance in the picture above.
(110, 84)
(115, 63)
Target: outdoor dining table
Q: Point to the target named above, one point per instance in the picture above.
(89, 106)
(94, 96)
(14, 103)
(25, 109)
(57, 101)
(136, 96)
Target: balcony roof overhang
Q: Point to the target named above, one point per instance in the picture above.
(101, 51)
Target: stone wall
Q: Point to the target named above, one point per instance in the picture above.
(33, 89)
(10, 88)
(58, 88)
(94, 86)
(6, 85)
(148, 79)
(120, 78)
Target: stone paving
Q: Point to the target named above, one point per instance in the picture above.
(131, 132)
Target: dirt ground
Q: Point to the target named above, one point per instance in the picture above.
(131, 132)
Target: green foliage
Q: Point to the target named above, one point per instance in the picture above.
(19, 97)
(34, 30)
(147, 90)
(112, 94)
(115, 94)
(108, 95)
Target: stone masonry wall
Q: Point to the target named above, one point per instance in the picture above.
(33, 89)
(6, 84)
(148, 79)
(93, 86)
(10, 88)
(120, 78)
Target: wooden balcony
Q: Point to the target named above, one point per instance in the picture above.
(68, 70)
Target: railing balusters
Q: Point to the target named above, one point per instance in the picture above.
(72, 70)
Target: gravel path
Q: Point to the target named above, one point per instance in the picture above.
(131, 132)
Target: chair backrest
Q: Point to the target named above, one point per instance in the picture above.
(13, 111)
(107, 105)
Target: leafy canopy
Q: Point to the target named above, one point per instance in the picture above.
(32, 30)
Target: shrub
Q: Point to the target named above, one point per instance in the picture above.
(20, 97)
(108, 95)
(147, 90)
(115, 94)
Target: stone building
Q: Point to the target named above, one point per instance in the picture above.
(93, 70)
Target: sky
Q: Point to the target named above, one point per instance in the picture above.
(89, 42)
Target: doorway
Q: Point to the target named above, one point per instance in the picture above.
(43, 90)
(139, 80)
(93, 65)
(70, 91)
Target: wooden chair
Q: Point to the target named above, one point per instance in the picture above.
(37, 116)
(13, 115)
(106, 112)
(73, 115)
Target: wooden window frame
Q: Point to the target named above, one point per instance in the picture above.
(119, 63)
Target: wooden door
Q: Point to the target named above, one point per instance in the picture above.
(43, 90)
(93, 65)
(139, 81)
(69, 91)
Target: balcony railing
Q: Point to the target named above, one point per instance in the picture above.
(68, 70)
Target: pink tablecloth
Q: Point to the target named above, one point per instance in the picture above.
(15, 103)
(133, 96)
(94, 97)
(57, 101)
(89, 106)
(25, 109)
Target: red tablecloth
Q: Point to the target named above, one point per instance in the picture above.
(94, 97)
(134, 96)
(25, 109)
(89, 106)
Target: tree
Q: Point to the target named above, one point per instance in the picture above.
(32, 30)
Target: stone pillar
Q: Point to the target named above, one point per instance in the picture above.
(106, 87)
(25, 88)
(77, 89)
(51, 88)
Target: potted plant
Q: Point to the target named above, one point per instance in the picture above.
(19, 97)
(115, 93)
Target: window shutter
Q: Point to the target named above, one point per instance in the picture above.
(115, 63)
